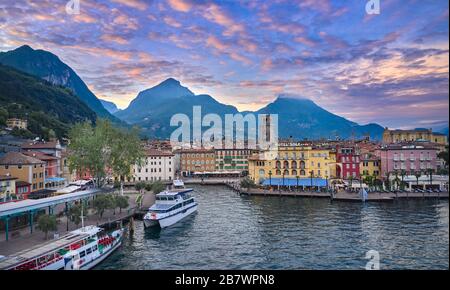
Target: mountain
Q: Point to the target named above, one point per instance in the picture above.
(302, 118)
(299, 118)
(109, 106)
(153, 108)
(48, 66)
(46, 106)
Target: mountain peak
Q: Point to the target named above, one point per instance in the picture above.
(24, 47)
(293, 97)
(171, 81)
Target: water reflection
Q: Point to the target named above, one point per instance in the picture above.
(234, 232)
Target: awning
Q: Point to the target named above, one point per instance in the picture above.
(54, 179)
(293, 182)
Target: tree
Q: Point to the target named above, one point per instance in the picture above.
(402, 174)
(444, 155)
(126, 152)
(75, 214)
(157, 187)
(417, 174)
(247, 183)
(122, 202)
(148, 186)
(103, 150)
(139, 186)
(47, 223)
(102, 203)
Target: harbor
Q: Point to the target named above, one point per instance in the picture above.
(248, 217)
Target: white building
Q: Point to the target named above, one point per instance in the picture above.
(157, 165)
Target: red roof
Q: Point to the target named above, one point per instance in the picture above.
(41, 145)
(155, 152)
(16, 158)
(40, 156)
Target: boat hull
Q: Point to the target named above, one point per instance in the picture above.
(170, 220)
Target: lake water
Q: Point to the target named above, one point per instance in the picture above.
(239, 232)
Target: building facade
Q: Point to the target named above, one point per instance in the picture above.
(24, 168)
(407, 157)
(17, 123)
(419, 134)
(293, 161)
(7, 187)
(370, 165)
(347, 162)
(195, 160)
(157, 165)
(51, 148)
(232, 159)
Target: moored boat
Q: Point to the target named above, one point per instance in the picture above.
(171, 206)
(81, 249)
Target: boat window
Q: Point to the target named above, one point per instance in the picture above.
(94, 248)
(88, 251)
(82, 254)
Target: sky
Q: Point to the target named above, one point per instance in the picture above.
(390, 68)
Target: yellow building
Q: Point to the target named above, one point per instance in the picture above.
(7, 187)
(292, 161)
(370, 165)
(16, 123)
(399, 136)
(24, 168)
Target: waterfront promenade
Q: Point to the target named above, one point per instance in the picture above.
(21, 239)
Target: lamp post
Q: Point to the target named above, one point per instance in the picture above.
(311, 178)
(326, 180)
(283, 178)
(270, 178)
(297, 177)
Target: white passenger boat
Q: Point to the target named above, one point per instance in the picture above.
(81, 249)
(171, 206)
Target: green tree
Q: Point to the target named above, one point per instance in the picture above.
(148, 186)
(139, 186)
(126, 151)
(417, 174)
(47, 223)
(75, 214)
(444, 155)
(122, 202)
(157, 187)
(247, 183)
(104, 147)
(102, 203)
(3, 116)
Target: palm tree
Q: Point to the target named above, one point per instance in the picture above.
(417, 174)
(402, 173)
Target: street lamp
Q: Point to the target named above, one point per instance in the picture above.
(270, 178)
(311, 177)
(326, 180)
(297, 177)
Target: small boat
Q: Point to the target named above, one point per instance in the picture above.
(81, 249)
(171, 206)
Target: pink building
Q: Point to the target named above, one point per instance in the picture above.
(410, 157)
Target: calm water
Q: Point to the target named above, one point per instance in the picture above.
(233, 232)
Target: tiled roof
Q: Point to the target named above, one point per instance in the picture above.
(16, 158)
(40, 156)
(155, 152)
(40, 145)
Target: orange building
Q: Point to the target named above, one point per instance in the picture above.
(196, 160)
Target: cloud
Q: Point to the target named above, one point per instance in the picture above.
(180, 5)
(136, 4)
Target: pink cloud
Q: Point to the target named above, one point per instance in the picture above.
(180, 5)
(137, 4)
